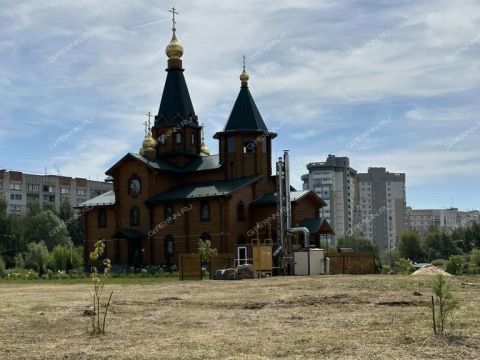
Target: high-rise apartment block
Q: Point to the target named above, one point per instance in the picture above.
(380, 207)
(334, 181)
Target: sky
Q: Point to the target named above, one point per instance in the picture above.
(390, 84)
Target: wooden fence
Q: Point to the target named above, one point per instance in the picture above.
(189, 267)
(362, 262)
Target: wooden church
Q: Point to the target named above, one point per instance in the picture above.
(174, 192)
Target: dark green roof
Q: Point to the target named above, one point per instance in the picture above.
(317, 225)
(176, 104)
(272, 198)
(105, 199)
(128, 234)
(200, 163)
(245, 116)
(204, 189)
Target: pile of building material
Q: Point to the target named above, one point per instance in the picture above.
(431, 270)
(241, 272)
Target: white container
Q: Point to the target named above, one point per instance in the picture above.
(309, 261)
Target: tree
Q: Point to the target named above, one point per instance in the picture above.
(65, 257)
(404, 266)
(73, 223)
(206, 250)
(446, 303)
(356, 243)
(47, 227)
(36, 257)
(409, 247)
(456, 265)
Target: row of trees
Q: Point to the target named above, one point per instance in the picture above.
(42, 232)
(458, 251)
(439, 244)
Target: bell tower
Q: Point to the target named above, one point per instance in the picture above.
(245, 142)
(176, 130)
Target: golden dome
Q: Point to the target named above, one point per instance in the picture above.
(244, 77)
(149, 141)
(204, 149)
(174, 49)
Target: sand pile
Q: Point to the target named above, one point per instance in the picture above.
(431, 270)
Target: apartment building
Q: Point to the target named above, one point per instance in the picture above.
(334, 181)
(19, 189)
(380, 207)
(421, 220)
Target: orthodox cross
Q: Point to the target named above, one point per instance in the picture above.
(149, 115)
(172, 10)
(244, 61)
(146, 128)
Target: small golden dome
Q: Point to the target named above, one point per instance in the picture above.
(174, 49)
(204, 149)
(149, 141)
(244, 77)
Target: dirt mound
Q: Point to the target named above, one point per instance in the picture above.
(431, 270)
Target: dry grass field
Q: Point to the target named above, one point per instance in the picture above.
(330, 317)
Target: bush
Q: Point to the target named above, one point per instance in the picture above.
(19, 261)
(456, 265)
(36, 257)
(404, 266)
(21, 274)
(386, 269)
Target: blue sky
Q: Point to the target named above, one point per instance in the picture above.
(392, 84)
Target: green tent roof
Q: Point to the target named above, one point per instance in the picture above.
(176, 104)
(245, 116)
(204, 189)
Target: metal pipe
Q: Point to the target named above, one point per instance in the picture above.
(306, 234)
(286, 161)
(281, 224)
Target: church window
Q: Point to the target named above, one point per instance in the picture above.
(194, 139)
(205, 236)
(168, 213)
(102, 218)
(134, 216)
(178, 138)
(231, 144)
(248, 144)
(240, 211)
(204, 211)
(169, 246)
(134, 186)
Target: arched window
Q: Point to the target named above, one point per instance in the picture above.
(102, 218)
(248, 144)
(178, 137)
(168, 213)
(204, 211)
(169, 246)
(134, 216)
(240, 211)
(134, 185)
(205, 236)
